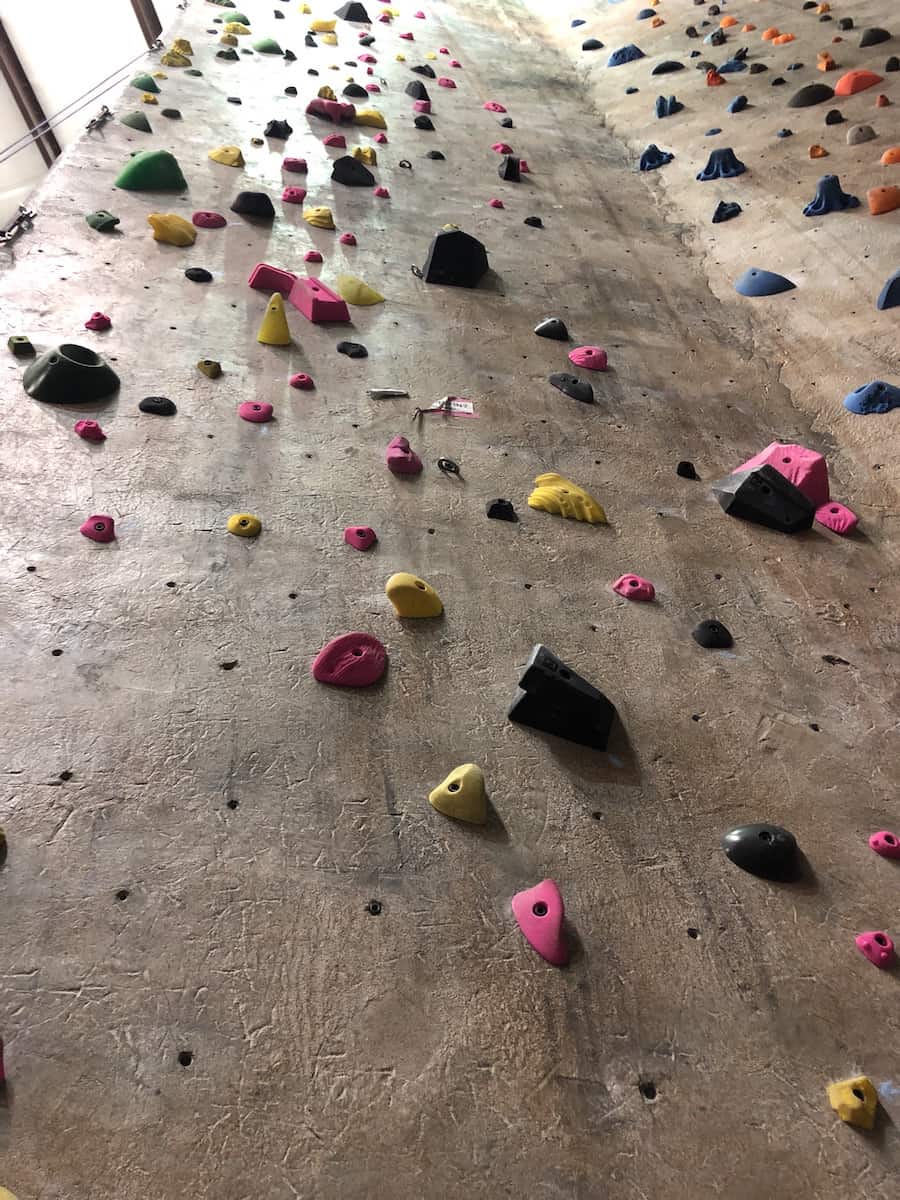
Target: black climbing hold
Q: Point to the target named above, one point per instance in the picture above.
(777, 81)
(436, 155)
(892, 64)
(312, 71)
(667, 67)
(309, 40)
(834, 116)
(278, 129)
(553, 698)
(764, 850)
(757, 68)
(367, 40)
(279, 16)
(425, 70)
(726, 210)
(254, 204)
(552, 327)
(198, 275)
(692, 31)
(845, 23)
(423, 122)
(405, 163)
(351, 172)
(785, 133)
(686, 469)
(630, 91)
(417, 90)
(809, 4)
(712, 132)
(290, 56)
(714, 10)
(889, 297)
(352, 349)
(353, 11)
(813, 93)
(874, 36)
(704, 66)
(455, 258)
(501, 510)
(829, 198)
(505, 123)
(159, 406)
(228, 55)
(509, 169)
(448, 466)
(591, 44)
(712, 635)
(653, 157)
(354, 91)
(193, 71)
(571, 385)
(739, 55)
(826, 17)
(69, 374)
(718, 38)
(766, 497)
(174, 114)
(722, 164)
(290, 91)
(667, 106)
(795, 67)
(234, 100)
(534, 222)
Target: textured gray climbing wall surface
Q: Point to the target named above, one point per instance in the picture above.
(242, 956)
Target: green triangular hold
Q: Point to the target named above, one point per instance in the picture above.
(267, 46)
(152, 171)
(146, 83)
(136, 120)
(193, 71)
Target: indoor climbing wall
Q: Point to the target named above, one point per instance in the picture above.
(450, 612)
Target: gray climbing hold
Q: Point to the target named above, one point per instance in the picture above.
(552, 327)
(874, 37)
(857, 134)
(667, 67)
(625, 54)
(812, 93)
(571, 385)
(757, 282)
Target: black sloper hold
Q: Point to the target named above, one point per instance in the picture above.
(501, 510)
(712, 635)
(352, 349)
(455, 258)
(280, 130)
(198, 275)
(874, 36)
(764, 850)
(534, 222)
(834, 116)
(423, 122)
(436, 155)
(686, 469)
(254, 204)
(159, 406)
(309, 40)
(351, 172)
(506, 123)
(571, 385)
(417, 90)
(552, 327)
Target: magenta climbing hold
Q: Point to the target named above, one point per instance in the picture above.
(90, 431)
(255, 411)
(314, 256)
(493, 106)
(267, 278)
(360, 536)
(367, 58)
(99, 528)
(302, 381)
(380, 139)
(382, 193)
(808, 471)
(443, 50)
(445, 82)
(331, 110)
(373, 87)
(422, 106)
(885, 843)
(98, 321)
(503, 148)
(539, 913)
(495, 203)
(347, 239)
(593, 358)
(837, 517)
(293, 195)
(318, 302)
(407, 37)
(877, 947)
(454, 62)
(524, 168)
(634, 587)
(401, 458)
(297, 166)
(208, 220)
(336, 140)
(351, 660)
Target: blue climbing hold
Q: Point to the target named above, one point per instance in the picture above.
(668, 106)
(653, 157)
(829, 197)
(576, 21)
(629, 91)
(712, 132)
(645, 14)
(875, 397)
(625, 54)
(889, 297)
(738, 104)
(726, 210)
(722, 164)
(783, 133)
(732, 66)
(757, 282)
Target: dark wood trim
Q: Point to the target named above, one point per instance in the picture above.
(26, 100)
(148, 19)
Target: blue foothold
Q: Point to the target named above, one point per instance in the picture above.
(722, 164)
(712, 132)
(645, 14)
(875, 397)
(829, 198)
(889, 297)
(576, 21)
(629, 91)
(738, 104)
(726, 210)
(625, 54)
(783, 133)
(732, 66)
(653, 157)
(757, 282)
(668, 106)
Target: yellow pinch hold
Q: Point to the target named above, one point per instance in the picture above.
(354, 291)
(329, 39)
(321, 25)
(172, 58)
(855, 1101)
(367, 155)
(370, 116)
(412, 596)
(170, 228)
(244, 525)
(326, 93)
(160, 75)
(274, 329)
(462, 795)
(319, 216)
(556, 494)
(182, 46)
(228, 156)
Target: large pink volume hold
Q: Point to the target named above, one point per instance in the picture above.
(351, 660)
(539, 912)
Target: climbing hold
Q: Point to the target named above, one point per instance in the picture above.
(170, 228)
(757, 68)
(493, 106)
(886, 844)
(367, 155)
(370, 116)
(572, 386)
(591, 44)
(834, 116)
(764, 850)
(757, 282)
(712, 635)
(99, 528)
(361, 537)
(455, 258)
(90, 431)
(172, 58)
(553, 698)
(158, 406)
(667, 67)
(726, 210)
(653, 157)
(733, 66)
(534, 222)
(625, 54)
(352, 11)
(152, 171)
(877, 947)
(209, 367)
(280, 130)
(326, 93)
(874, 37)
(208, 220)
(313, 256)
(244, 525)
(495, 203)
(808, 471)
(554, 493)
(686, 469)
(539, 913)
(380, 139)
(830, 197)
(319, 217)
(714, 79)
(347, 239)
(354, 90)
(69, 374)
(883, 199)
(332, 110)
(634, 587)
(354, 291)
(592, 358)
(855, 1101)
(667, 106)
(98, 321)
(228, 55)
(293, 195)
(267, 45)
(102, 221)
(429, 73)
(856, 81)
(825, 62)
(351, 172)
(254, 204)
(738, 104)
(422, 106)
(552, 327)
(817, 151)
(267, 278)
(857, 134)
(145, 83)
(20, 346)
(273, 330)
(352, 349)
(462, 795)
(881, 101)
(766, 497)
(382, 193)
(722, 164)
(509, 169)
(401, 459)
(198, 275)
(892, 64)
(813, 93)
(837, 517)
(423, 122)
(257, 413)
(336, 141)
(502, 510)
(875, 397)
(412, 597)
(173, 114)
(445, 82)
(302, 381)
(889, 296)
(502, 148)
(137, 120)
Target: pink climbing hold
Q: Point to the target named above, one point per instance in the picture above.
(877, 948)
(296, 165)
(407, 37)
(373, 88)
(382, 193)
(384, 17)
(367, 58)
(807, 471)
(98, 321)
(380, 139)
(443, 50)
(524, 168)
(539, 912)
(401, 459)
(208, 220)
(885, 843)
(592, 358)
(837, 517)
(99, 528)
(503, 148)
(493, 106)
(454, 62)
(257, 412)
(267, 278)
(360, 536)
(347, 239)
(422, 106)
(351, 660)
(312, 256)
(420, 15)
(318, 302)
(633, 587)
(90, 431)
(495, 203)
(370, 71)
(445, 82)
(302, 381)
(293, 195)
(337, 140)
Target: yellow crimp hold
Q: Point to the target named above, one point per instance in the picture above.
(228, 156)
(462, 795)
(244, 525)
(237, 28)
(319, 216)
(367, 155)
(169, 227)
(431, 54)
(274, 328)
(412, 597)
(182, 46)
(354, 291)
(326, 93)
(401, 58)
(329, 39)
(320, 25)
(370, 116)
(172, 58)
(149, 98)
(556, 494)
(228, 39)
(160, 75)
(855, 1101)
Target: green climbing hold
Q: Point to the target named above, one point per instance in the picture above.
(102, 220)
(267, 46)
(193, 71)
(145, 83)
(136, 120)
(239, 18)
(152, 171)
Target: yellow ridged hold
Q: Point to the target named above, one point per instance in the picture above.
(370, 116)
(228, 156)
(329, 39)
(237, 28)
(367, 155)
(149, 98)
(462, 795)
(169, 227)
(244, 525)
(320, 25)
(274, 328)
(555, 494)
(326, 93)
(354, 291)
(412, 596)
(172, 58)
(182, 46)
(228, 39)
(319, 216)
(855, 1101)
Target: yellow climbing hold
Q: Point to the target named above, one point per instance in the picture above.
(556, 494)
(304, 8)
(326, 93)
(160, 75)
(854, 1101)
(319, 216)
(228, 39)
(401, 58)
(274, 328)
(412, 597)
(149, 98)
(462, 795)
(320, 25)
(169, 227)
(449, 226)
(6, 1194)
(210, 367)
(244, 525)
(182, 46)
(329, 39)
(354, 291)
(228, 156)
(431, 54)
(236, 27)
(370, 116)
(172, 58)
(367, 155)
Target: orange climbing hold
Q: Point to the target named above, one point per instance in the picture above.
(891, 156)
(823, 8)
(883, 199)
(856, 81)
(882, 101)
(825, 62)
(748, 28)
(714, 79)
(818, 151)
(656, 22)
(783, 39)
(727, 22)
(770, 34)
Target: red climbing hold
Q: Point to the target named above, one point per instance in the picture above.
(401, 459)
(885, 843)
(856, 81)
(258, 413)
(714, 79)
(877, 948)
(337, 140)
(351, 660)
(633, 587)
(296, 166)
(293, 195)
(360, 536)
(98, 321)
(495, 203)
(90, 431)
(318, 302)
(382, 193)
(593, 358)
(312, 256)
(539, 912)
(99, 528)
(347, 239)
(208, 220)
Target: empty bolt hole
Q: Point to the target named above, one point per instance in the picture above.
(56, 653)
(373, 908)
(65, 776)
(122, 894)
(185, 1057)
(648, 1089)
(31, 569)
(597, 815)
(292, 595)
(539, 909)
(232, 804)
(693, 933)
(170, 583)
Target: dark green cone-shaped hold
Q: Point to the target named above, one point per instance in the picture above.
(102, 220)
(146, 83)
(137, 120)
(267, 46)
(70, 375)
(152, 171)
